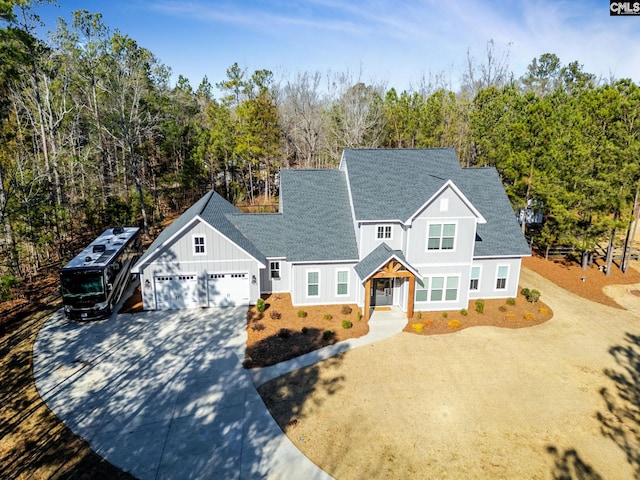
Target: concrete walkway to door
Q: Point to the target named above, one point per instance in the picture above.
(163, 394)
(383, 324)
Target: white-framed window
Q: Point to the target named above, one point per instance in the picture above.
(384, 232)
(199, 245)
(422, 289)
(474, 284)
(274, 270)
(441, 236)
(313, 284)
(501, 277)
(342, 282)
(451, 289)
(437, 289)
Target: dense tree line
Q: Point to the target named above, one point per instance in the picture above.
(92, 134)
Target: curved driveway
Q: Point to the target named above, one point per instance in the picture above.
(164, 395)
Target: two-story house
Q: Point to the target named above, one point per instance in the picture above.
(403, 227)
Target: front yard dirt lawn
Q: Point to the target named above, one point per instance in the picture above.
(273, 340)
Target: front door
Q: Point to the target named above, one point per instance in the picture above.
(382, 292)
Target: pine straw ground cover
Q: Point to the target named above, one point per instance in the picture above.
(497, 313)
(34, 444)
(265, 347)
(281, 332)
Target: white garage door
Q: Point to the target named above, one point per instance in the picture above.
(228, 289)
(176, 291)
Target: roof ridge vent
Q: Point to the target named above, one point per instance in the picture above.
(99, 248)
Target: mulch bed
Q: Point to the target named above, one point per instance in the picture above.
(587, 283)
(279, 333)
(266, 347)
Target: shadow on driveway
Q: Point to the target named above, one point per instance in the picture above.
(164, 395)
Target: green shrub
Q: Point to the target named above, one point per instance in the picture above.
(327, 316)
(502, 308)
(419, 316)
(359, 316)
(532, 296)
(480, 306)
(464, 312)
(327, 335)
(511, 301)
(346, 310)
(7, 282)
(302, 313)
(346, 324)
(260, 305)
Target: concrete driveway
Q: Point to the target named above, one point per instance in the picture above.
(164, 395)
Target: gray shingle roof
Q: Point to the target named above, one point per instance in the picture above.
(501, 235)
(266, 231)
(217, 212)
(315, 223)
(214, 210)
(174, 227)
(317, 216)
(392, 184)
(379, 257)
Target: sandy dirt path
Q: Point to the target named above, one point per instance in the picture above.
(540, 402)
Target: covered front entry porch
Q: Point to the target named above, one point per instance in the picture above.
(379, 288)
(385, 273)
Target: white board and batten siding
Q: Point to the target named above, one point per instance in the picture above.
(178, 277)
(327, 291)
(276, 284)
(490, 268)
(393, 234)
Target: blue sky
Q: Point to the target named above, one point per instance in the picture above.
(392, 41)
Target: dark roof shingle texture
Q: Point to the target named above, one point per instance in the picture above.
(317, 217)
(392, 184)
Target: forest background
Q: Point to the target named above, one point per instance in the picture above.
(93, 134)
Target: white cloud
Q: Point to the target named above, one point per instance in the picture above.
(403, 39)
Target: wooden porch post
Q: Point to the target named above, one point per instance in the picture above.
(412, 294)
(367, 299)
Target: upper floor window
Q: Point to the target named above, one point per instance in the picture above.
(384, 231)
(274, 270)
(501, 280)
(313, 284)
(441, 236)
(475, 278)
(199, 245)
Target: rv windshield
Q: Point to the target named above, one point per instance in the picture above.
(82, 284)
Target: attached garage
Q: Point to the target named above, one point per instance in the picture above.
(201, 260)
(228, 289)
(176, 291)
